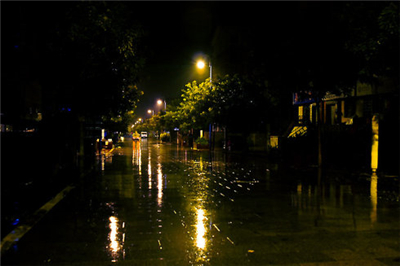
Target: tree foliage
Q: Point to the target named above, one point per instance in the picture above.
(373, 38)
(350, 42)
(106, 53)
(226, 102)
(358, 41)
(194, 110)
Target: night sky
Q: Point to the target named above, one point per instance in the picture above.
(175, 33)
(178, 31)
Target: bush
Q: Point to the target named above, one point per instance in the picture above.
(202, 141)
(165, 137)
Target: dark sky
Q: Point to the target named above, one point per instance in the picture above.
(177, 31)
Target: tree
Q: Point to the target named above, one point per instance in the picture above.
(105, 49)
(194, 111)
(351, 42)
(171, 116)
(373, 38)
(227, 101)
(249, 99)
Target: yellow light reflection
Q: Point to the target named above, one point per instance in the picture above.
(374, 197)
(136, 153)
(201, 163)
(140, 163)
(200, 229)
(139, 156)
(299, 189)
(149, 170)
(375, 143)
(114, 246)
(137, 159)
(159, 184)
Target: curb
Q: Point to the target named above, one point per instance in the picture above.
(15, 235)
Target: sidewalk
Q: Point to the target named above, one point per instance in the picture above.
(29, 181)
(22, 228)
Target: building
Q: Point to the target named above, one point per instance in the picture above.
(347, 120)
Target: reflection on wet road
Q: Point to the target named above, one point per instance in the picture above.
(156, 204)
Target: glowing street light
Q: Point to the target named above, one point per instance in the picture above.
(160, 102)
(150, 111)
(201, 64)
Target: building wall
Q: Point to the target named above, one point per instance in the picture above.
(347, 125)
(362, 102)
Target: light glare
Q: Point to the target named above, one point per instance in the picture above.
(200, 64)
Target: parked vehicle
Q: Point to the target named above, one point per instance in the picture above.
(143, 134)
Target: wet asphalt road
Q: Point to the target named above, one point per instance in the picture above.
(156, 204)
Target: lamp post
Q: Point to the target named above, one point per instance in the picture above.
(160, 102)
(201, 65)
(150, 111)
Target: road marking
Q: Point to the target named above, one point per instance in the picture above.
(21, 230)
(216, 227)
(230, 240)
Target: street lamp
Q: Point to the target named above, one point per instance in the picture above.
(150, 111)
(160, 102)
(201, 64)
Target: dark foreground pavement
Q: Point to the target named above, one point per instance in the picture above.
(156, 204)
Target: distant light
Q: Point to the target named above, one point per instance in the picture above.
(201, 64)
(15, 222)
(159, 102)
(16, 46)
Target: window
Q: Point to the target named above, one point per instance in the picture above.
(300, 114)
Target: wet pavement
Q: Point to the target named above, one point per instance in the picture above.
(156, 204)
